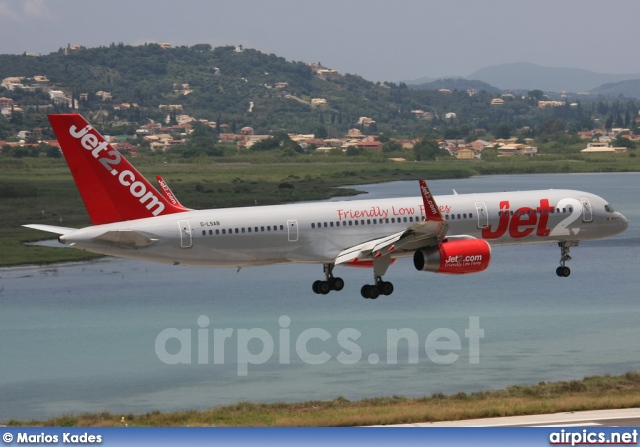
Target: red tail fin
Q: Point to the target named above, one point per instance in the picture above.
(112, 189)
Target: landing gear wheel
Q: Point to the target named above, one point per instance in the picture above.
(566, 271)
(385, 288)
(337, 284)
(329, 284)
(324, 287)
(559, 271)
(370, 292)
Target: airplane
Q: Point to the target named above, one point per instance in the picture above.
(450, 234)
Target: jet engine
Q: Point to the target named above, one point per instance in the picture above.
(454, 257)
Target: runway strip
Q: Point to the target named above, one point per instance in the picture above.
(629, 417)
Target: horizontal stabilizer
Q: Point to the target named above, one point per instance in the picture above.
(50, 228)
(127, 238)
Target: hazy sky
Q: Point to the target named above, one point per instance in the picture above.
(377, 39)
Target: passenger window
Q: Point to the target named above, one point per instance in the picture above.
(464, 215)
(217, 231)
(344, 223)
(236, 231)
(325, 225)
(269, 228)
(282, 227)
(393, 220)
(331, 224)
(453, 217)
(224, 231)
(249, 229)
(446, 216)
(458, 216)
(368, 221)
(242, 230)
(256, 229)
(261, 228)
(350, 223)
(356, 222)
(362, 222)
(204, 232)
(210, 232)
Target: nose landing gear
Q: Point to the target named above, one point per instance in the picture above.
(563, 271)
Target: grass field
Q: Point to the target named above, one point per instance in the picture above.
(42, 190)
(591, 393)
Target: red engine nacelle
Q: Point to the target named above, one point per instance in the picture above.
(454, 257)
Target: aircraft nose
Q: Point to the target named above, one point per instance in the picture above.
(624, 222)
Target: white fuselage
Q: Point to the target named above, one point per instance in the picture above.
(317, 232)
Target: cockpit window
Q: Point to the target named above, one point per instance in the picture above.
(609, 208)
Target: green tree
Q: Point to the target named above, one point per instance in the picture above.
(502, 131)
(489, 154)
(392, 146)
(202, 48)
(535, 96)
(426, 150)
(383, 138)
(321, 133)
(620, 141)
(268, 144)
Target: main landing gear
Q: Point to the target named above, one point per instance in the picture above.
(330, 283)
(563, 270)
(379, 288)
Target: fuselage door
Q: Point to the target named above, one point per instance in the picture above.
(185, 234)
(292, 229)
(483, 216)
(587, 213)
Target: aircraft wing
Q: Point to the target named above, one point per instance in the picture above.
(429, 232)
(50, 228)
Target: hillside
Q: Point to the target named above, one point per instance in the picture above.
(629, 89)
(122, 87)
(457, 84)
(223, 83)
(525, 76)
